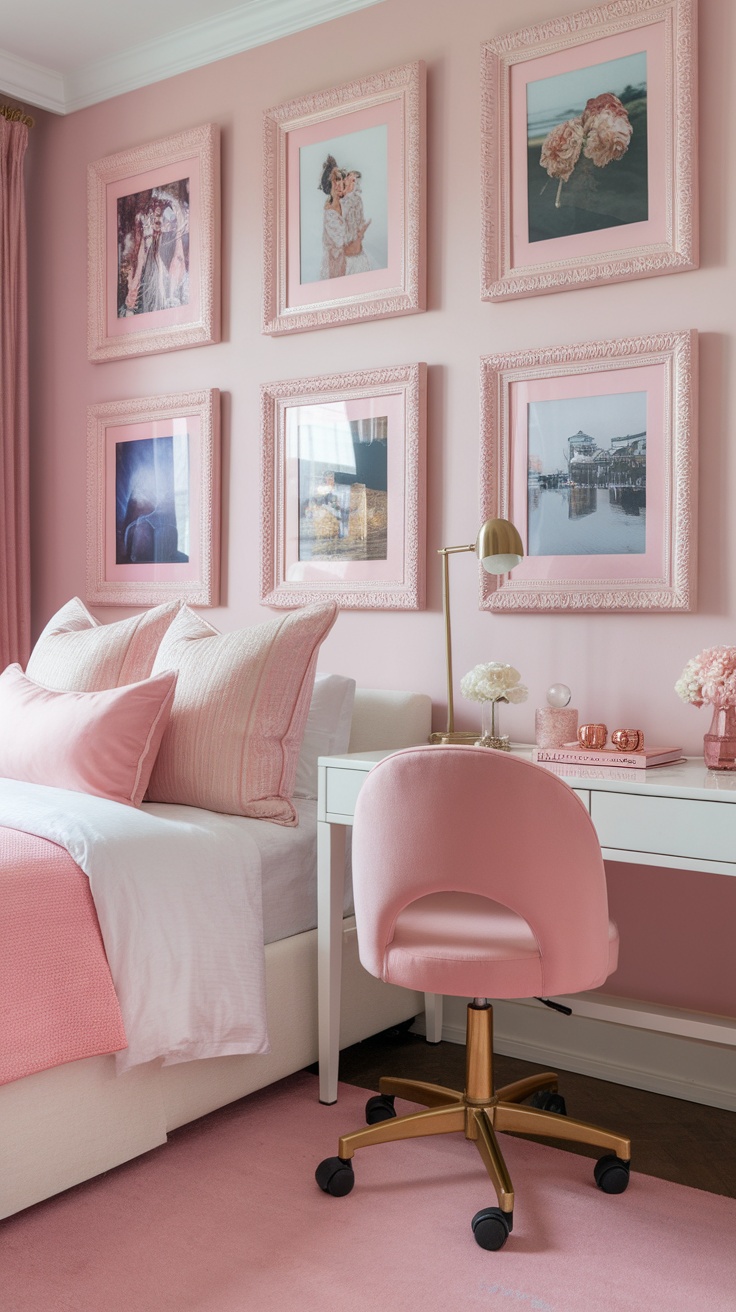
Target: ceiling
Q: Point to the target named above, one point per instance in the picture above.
(65, 56)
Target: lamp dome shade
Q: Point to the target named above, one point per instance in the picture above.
(499, 547)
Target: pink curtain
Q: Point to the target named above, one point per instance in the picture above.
(15, 582)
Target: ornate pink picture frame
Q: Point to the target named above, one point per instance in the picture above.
(590, 451)
(589, 149)
(153, 500)
(344, 203)
(153, 252)
(343, 505)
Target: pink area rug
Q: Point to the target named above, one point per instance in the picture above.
(227, 1218)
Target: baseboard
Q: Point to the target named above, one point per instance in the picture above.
(678, 1065)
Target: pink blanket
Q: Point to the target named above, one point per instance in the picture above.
(57, 1001)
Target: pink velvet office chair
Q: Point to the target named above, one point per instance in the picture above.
(480, 875)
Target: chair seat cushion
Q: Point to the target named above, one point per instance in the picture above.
(469, 946)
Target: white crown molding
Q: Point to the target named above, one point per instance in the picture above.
(242, 28)
(32, 84)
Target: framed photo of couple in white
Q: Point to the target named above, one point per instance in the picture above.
(344, 204)
(153, 254)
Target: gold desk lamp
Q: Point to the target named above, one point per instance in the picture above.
(499, 549)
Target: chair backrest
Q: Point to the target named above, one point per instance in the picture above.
(473, 820)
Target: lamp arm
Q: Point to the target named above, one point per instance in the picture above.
(444, 552)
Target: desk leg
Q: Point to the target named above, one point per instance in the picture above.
(330, 896)
(433, 1016)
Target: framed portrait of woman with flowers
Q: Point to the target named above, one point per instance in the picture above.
(589, 149)
(344, 203)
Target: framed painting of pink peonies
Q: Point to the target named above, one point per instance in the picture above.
(589, 149)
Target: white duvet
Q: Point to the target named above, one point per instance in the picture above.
(178, 896)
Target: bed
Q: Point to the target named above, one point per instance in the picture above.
(73, 1120)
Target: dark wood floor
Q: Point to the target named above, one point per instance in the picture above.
(672, 1139)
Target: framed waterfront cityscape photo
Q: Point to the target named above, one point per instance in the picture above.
(343, 501)
(589, 162)
(590, 450)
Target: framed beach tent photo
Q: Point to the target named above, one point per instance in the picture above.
(154, 247)
(344, 204)
(590, 450)
(343, 490)
(153, 500)
(589, 149)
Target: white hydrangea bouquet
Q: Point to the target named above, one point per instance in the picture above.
(490, 684)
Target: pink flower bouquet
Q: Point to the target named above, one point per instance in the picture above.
(709, 677)
(602, 133)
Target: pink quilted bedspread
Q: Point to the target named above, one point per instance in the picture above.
(57, 1001)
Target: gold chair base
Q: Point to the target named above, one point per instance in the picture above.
(479, 1112)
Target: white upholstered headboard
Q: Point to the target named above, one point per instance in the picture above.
(389, 719)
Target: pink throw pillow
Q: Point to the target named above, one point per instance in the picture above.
(239, 713)
(75, 653)
(104, 743)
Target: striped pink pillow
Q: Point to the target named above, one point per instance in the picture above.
(75, 653)
(103, 743)
(238, 718)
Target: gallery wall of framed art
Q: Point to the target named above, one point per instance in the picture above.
(456, 328)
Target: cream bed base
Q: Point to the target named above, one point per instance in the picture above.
(68, 1124)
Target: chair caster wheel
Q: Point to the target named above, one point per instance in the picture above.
(492, 1227)
(611, 1174)
(547, 1101)
(335, 1176)
(379, 1108)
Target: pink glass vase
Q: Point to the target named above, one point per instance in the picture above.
(719, 744)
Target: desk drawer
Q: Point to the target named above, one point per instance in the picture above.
(671, 826)
(341, 790)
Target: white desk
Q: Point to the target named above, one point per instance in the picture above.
(681, 816)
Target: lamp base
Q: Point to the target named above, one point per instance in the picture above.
(500, 744)
(457, 736)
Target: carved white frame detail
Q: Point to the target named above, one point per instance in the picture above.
(499, 278)
(201, 591)
(407, 590)
(204, 143)
(675, 589)
(405, 84)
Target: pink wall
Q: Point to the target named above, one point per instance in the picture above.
(621, 668)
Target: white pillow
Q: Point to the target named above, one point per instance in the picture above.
(328, 728)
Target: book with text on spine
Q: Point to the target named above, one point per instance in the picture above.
(574, 754)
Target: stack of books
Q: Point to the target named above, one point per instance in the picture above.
(574, 754)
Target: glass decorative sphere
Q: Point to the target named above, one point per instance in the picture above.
(559, 695)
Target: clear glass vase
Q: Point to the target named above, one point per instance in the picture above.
(489, 729)
(719, 744)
